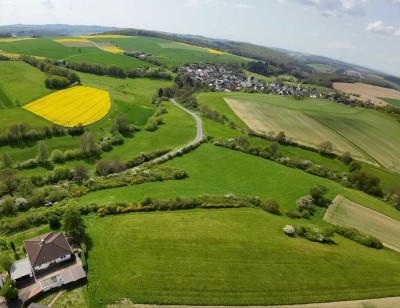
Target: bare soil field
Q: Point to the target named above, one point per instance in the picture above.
(367, 92)
(346, 213)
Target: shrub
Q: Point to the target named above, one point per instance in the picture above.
(346, 158)
(318, 195)
(7, 206)
(57, 156)
(315, 234)
(54, 221)
(28, 164)
(359, 237)
(21, 204)
(60, 174)
(289, 230)
(305, 203)
(293, 214)
(271, 206)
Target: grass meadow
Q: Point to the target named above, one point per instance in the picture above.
(21, 82)
(392, 101)
(215, 170)
(227, 257)
(169, 52)
(48, 48)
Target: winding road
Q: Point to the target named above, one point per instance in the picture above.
(196, 140)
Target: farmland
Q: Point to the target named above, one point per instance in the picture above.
(72, 107)
(200, 256)
(169, 52)
(229, 257)
(251, 176)
(49, 48)
(369, 135)
(21, 82)
(350, 214)
(367, 92)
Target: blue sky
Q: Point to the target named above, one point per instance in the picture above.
(365, 32)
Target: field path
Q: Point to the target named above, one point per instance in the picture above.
(196, 140)
(387, 302)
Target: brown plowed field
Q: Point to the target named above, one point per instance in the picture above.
(366, 92)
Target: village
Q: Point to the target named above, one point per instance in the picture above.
(220, 78)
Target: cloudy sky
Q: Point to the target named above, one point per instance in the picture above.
(365, 32)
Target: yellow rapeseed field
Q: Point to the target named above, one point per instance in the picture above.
(105, 36)
(67, 40)
(215, 51)
(14, 39)
(113, 49)
(73, 106)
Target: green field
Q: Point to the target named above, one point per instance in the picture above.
(350, 214)
(48, 48)
(21, 82)
(359, 131)
(392, 101)
(323, 68)
(169, 52)
(227, 257)
(238, 173)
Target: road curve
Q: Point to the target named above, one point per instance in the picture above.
(195, 141)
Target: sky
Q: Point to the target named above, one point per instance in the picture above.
(364, 32)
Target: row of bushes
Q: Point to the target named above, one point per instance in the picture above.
(325, 235)
(57, 77)
(14, 224)
(118, 72)
(23, 132)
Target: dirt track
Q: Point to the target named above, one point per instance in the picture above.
(388, 302)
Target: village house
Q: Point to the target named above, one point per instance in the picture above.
(50, 263)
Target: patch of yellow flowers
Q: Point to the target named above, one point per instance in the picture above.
(71, 107)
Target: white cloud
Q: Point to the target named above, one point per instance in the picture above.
(197, 3)
(379, 27)
(243, 6)
(48, 3)
(342, 45)
(334, 7)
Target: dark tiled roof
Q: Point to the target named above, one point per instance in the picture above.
(46, 248)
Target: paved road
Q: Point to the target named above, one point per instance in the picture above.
(197, 139)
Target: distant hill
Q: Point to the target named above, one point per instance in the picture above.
(51, 30)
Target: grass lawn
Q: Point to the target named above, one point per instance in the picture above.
(21, 82)
(227, 257)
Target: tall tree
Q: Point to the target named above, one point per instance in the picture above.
(42, 152)
(9, 180)
(73, 225)
(80, 173)
(87, 144)
(6, 161)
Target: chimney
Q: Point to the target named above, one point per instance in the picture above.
(41, 242)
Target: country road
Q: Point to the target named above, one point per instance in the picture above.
(196, 140)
